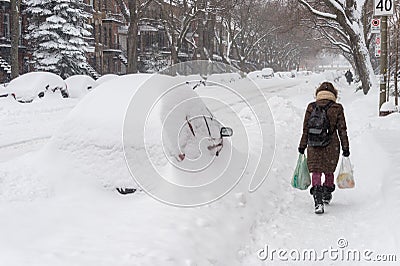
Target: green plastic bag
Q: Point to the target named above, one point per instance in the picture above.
(301, 177)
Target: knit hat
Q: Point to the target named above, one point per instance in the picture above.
(327, 86)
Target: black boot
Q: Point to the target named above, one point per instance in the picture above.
(327, 194)
(317, 192)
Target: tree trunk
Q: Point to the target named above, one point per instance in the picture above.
(132, 38)
(362, 62)
(396, 68)
(201, 28)
(360, 51)
(211, 34)
(14, 38)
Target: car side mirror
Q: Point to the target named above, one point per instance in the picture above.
(226, 132)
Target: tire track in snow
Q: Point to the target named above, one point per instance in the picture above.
(11, 150)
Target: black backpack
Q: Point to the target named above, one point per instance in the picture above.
(318, 124)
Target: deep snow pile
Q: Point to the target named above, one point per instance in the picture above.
(59, 206)
(91, 135)
(27, 87)
(79, 85)
(87, 148)
(26, 127)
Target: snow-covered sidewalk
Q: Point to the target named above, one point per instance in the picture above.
(364, 217)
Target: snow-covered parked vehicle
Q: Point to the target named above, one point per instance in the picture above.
(254, 74)
(106, 78)
(33, 85)
(267, 73)
(189, 125)
(3, 92)
(79, 85)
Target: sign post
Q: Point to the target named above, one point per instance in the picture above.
(383, 8)
(378, 46)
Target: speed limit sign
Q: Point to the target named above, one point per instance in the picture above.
(383, 7)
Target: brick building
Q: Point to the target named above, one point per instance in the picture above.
(108, 43)
(5, 43)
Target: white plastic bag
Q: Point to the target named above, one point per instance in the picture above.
(345, 179)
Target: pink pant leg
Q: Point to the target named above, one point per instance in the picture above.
(316, 179)
(329, 180)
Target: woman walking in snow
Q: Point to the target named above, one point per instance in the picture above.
(324, 124)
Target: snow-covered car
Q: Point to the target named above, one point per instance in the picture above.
(32, 85)
(214, 134)
(105, 78)
(267, 73)
(79, 85)
(3, 92)
(191, 127)
(254, 74)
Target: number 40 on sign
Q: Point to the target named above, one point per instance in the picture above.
(383, 7)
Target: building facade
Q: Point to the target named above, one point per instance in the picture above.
(5, 43)
(108, 44)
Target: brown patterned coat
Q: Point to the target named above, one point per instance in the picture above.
(325, 159)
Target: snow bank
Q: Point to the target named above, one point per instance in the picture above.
(225, 78)
(26, 128)
(91, 136)
(389, 106)
(84, 156)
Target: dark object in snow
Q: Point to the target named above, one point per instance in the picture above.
(327, 194)
(201, 82)
(125, 191)
(317, 192)
(319, 134)
(349, 76)
(181, 157)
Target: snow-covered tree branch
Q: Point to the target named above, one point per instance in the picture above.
(348, 15)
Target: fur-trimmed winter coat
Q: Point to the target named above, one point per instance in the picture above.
(325, 159)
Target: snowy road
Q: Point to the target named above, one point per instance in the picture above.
(63, 216)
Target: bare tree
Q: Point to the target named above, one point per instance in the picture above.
(15, 34)
(344, 19)
(132, 11)
(249, 27)
(180, 22)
